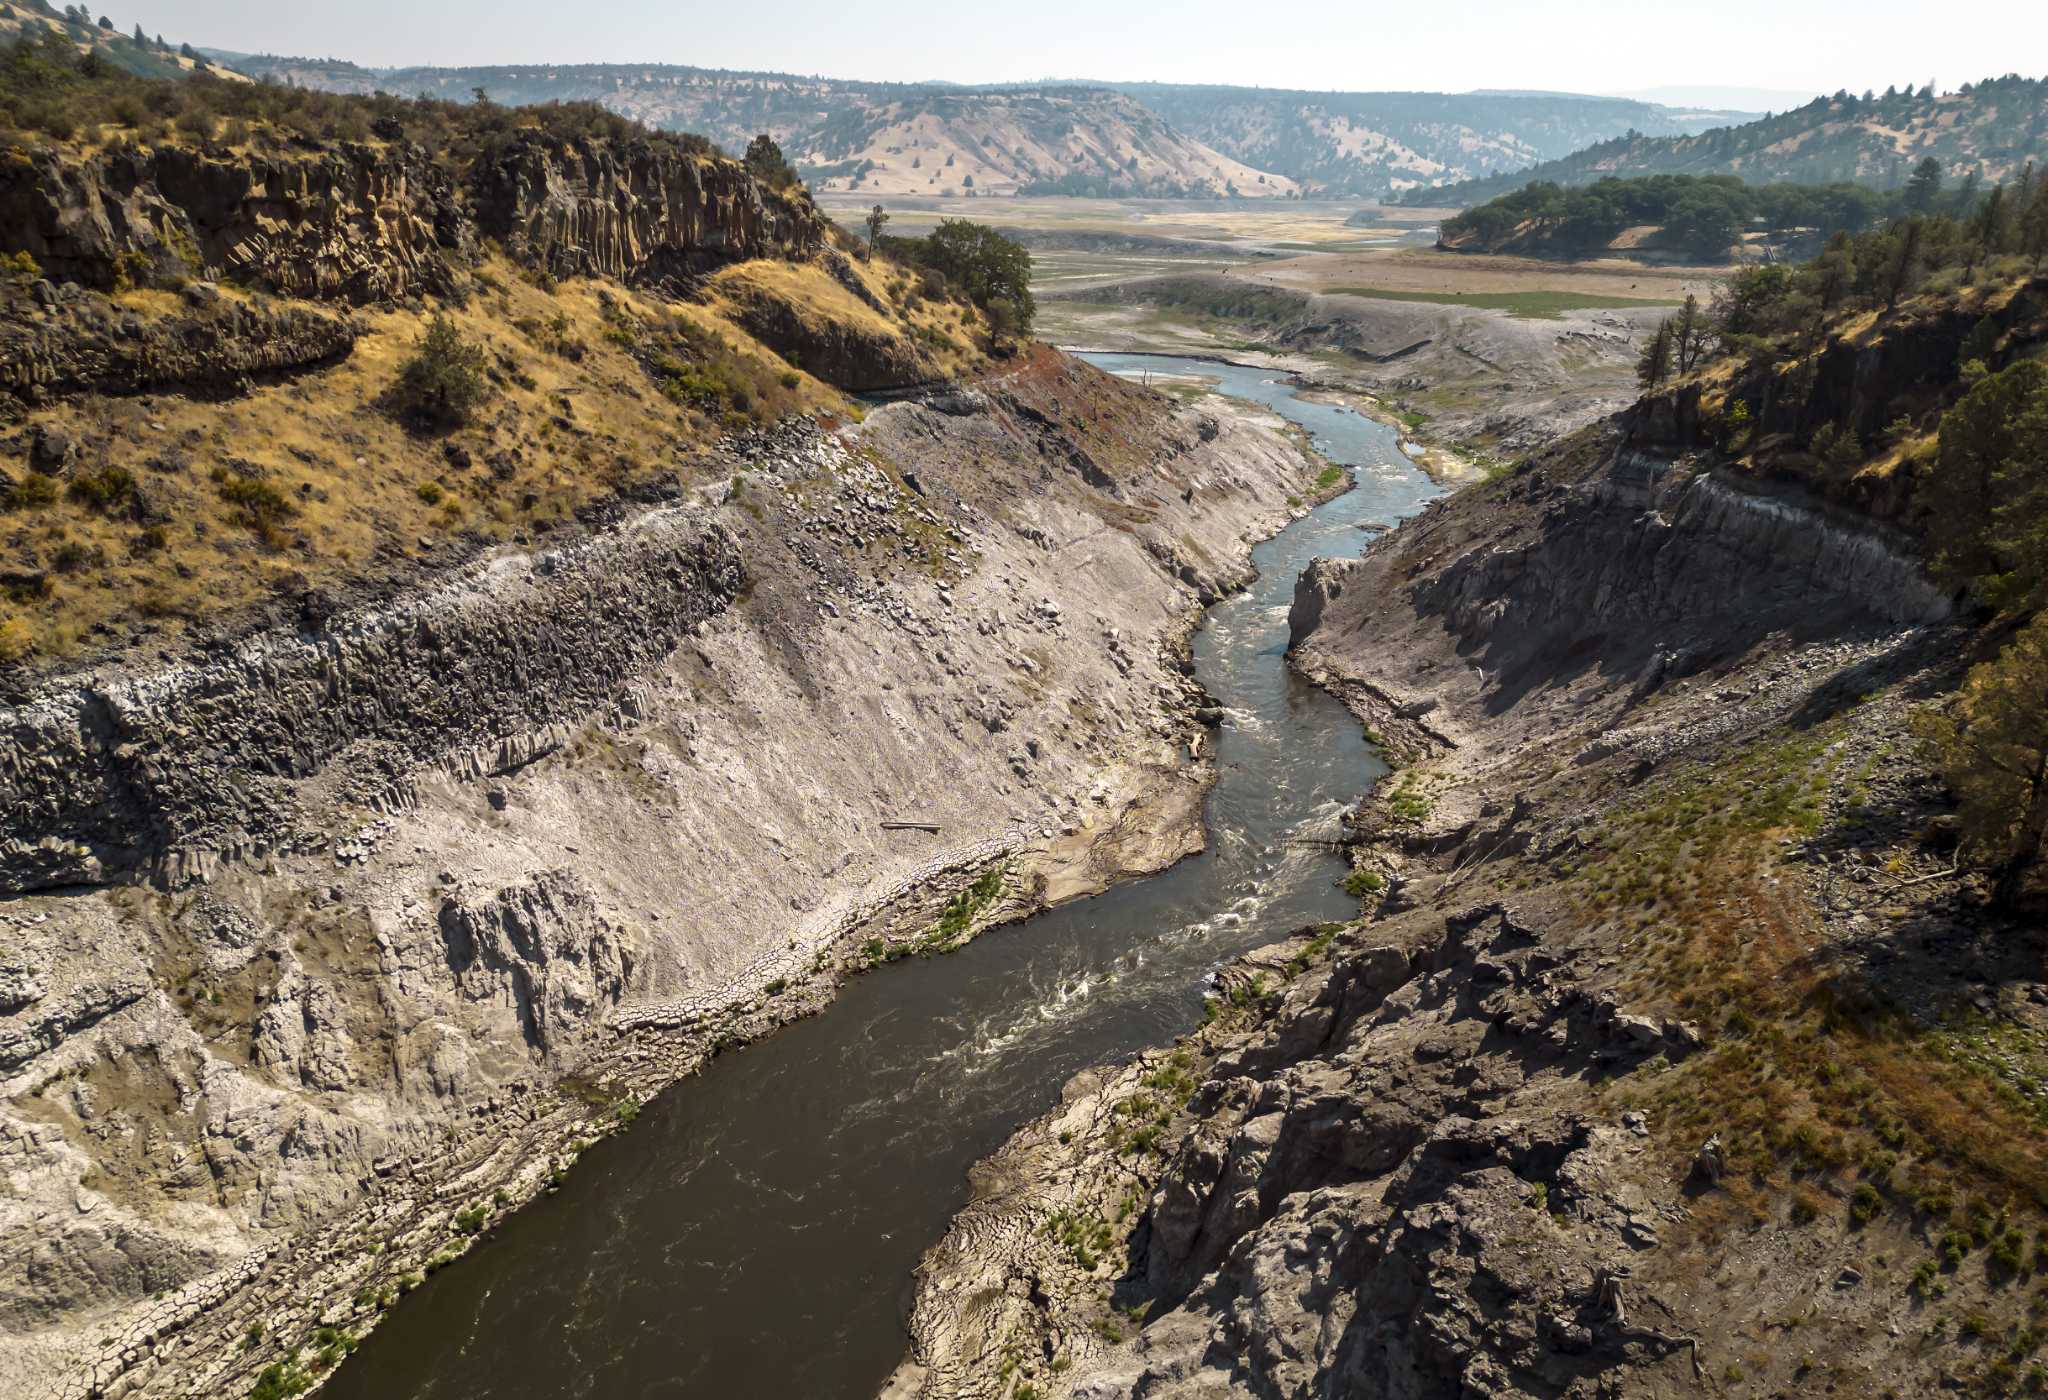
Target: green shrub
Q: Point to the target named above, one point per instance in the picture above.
(32, 492)
(104, 489)
(1360, 883)
(259, 506)
(442, 383)
(281, 1380)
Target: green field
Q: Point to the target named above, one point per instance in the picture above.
(1529, 306)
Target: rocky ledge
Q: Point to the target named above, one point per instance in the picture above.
(373, 221)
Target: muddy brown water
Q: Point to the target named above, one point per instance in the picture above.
(754, 1233)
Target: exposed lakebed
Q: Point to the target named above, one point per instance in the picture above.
(755, 1232)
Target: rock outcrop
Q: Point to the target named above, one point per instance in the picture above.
(113, 776)
(458, 877)
(637, 211)
(57, 340)
(355, 223)
(546, 945)
(1479, 1141)
(364, 222)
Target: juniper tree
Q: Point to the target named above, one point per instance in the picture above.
(1992, 743)
(1923, 187)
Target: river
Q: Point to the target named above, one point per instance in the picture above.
(754, 1232)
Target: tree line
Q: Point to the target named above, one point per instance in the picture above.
(1702, 215)
(1977, 460)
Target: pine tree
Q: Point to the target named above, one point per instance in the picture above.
(1991, 226)
(1834, 272)
(2033, 225)
(1655, 366)
(1987, 498)
(1902, 272)
(1689, 335)
(1923, 190)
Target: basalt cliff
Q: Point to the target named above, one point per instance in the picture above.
(388, 810)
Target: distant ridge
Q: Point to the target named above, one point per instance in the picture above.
(1073, 137)
(1988, 130)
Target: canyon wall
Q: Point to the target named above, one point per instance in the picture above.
(363, 222)
(1407, 1154)
(371, 920)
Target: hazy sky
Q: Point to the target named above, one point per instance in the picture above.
(1582, 46)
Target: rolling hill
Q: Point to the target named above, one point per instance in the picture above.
(1989, 129)
(1070, 137)
(144, 55)
(1377, 144)
(881, 138)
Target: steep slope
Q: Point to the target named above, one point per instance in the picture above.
(1667, 1055)
(393, 800)
(1989, 129)
(310, 269)
(144, 55)
(1376, 144)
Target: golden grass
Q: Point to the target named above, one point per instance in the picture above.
(1806, 1076)
(360, 492)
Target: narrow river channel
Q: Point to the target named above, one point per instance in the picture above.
(754, 1233)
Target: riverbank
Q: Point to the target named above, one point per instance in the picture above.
(444, 998)
(1567, 1105)
(791, 1185)
(1476, 385)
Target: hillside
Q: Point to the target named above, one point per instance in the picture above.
(461, 651)
(1990, 130)
(1692, 1035)
(1066, 138)
(1077, 141)
(880, 138)
(151, 262)
(144, 55)
(1376, 144)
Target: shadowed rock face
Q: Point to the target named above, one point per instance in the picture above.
(361, 224)
(83, 345)
(355, 223)
(105, 777)
(636, 212)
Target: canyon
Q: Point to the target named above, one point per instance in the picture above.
(766, 832)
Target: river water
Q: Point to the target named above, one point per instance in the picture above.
(754, 1233)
